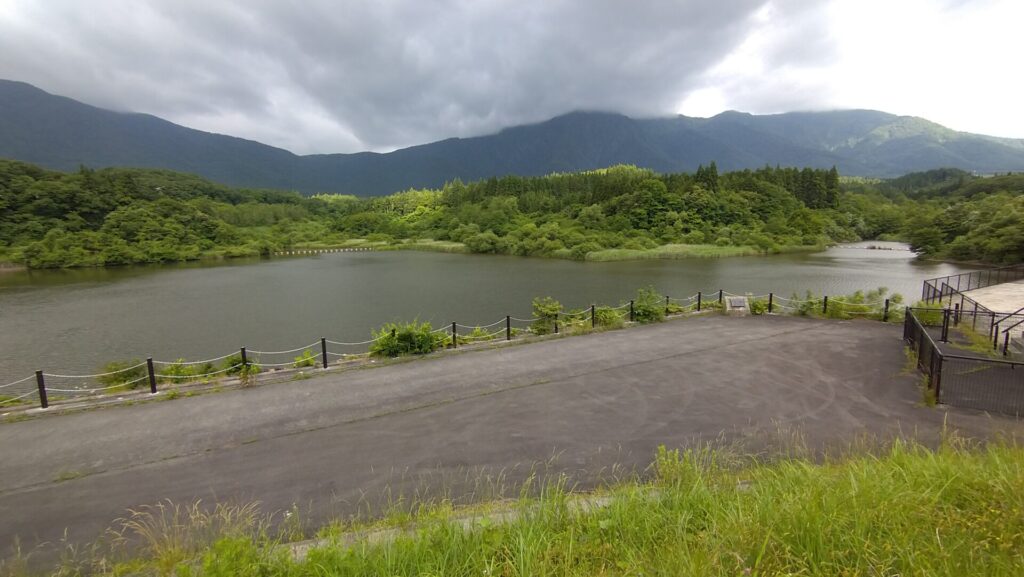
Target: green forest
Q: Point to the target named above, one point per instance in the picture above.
(122, 216)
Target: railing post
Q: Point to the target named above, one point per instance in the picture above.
(946, 313)
(152, 375)
(937, 374)
(995, 335)
(698, 301)
(885, 312)
(666, 305)
(323, 350)
(245, 360)
(824, 305)
(556, 323)
(455, 338)
(771, 302)
(956, 313)
(632, 313)
(43, 401)
(1006, 343)
(593, 317)
(720, 295)
(508, 328)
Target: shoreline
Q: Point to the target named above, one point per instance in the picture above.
(671, 251)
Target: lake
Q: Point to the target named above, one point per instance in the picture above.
(74, 321)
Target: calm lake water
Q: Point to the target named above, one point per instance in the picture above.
(74, 321)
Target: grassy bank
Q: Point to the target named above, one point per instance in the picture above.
(904, 510)
(676, 251)
(667, 251)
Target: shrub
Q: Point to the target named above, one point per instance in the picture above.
(476, 335)
(545, 310)
(247, 375)
(414, 338)
(306, 359)
(649, 306)
(758, 306)
(232, 365)
(608, 317)
(179, 372)
(124, 372)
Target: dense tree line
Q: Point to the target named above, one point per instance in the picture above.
(121, 216)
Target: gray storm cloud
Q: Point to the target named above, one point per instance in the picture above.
(330, 76)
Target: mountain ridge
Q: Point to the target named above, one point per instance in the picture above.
(61, 133)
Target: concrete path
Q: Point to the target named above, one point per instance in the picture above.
(1001, 298)
(582, 405)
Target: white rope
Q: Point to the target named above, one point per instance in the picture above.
(19, 397)
(349, 355)
(289, 364)
(17, 382)
(220, 358)
(352, 344)
(199, 376)
(96, 390)
(96, 375)
(284, 352)
(533, 320)
(482, 326)
(483, 337)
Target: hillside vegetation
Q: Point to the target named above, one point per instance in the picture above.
(60, 133)
(122, 216)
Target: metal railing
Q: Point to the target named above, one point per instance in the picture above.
(987, 384)
(324, 353)
(953, 286)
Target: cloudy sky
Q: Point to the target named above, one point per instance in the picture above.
(347, 75)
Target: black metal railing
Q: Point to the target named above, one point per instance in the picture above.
(929, 357)
(952, 287)
(983, 383)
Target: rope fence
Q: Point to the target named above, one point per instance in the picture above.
(245, 362)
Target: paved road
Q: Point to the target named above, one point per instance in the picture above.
(590, 402)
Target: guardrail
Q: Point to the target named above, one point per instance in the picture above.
(239, 363)
(987, 384)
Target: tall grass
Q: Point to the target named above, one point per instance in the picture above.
(902, 510)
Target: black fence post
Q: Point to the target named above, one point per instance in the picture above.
(245, 360)
(824, 305)
(1006, 343)
(771, 302)
(721, 294)
(946, 313)
(508, 328)
(455, 338)
(956, 314)
(885, 312)
(152, 375)
(937, 374)
(666, 304)
(632, 313)
(995, 335)
(593, 317)
(43, 401)
(323, 350)
(556, 323)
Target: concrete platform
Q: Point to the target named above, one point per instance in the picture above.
(1001, 298)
